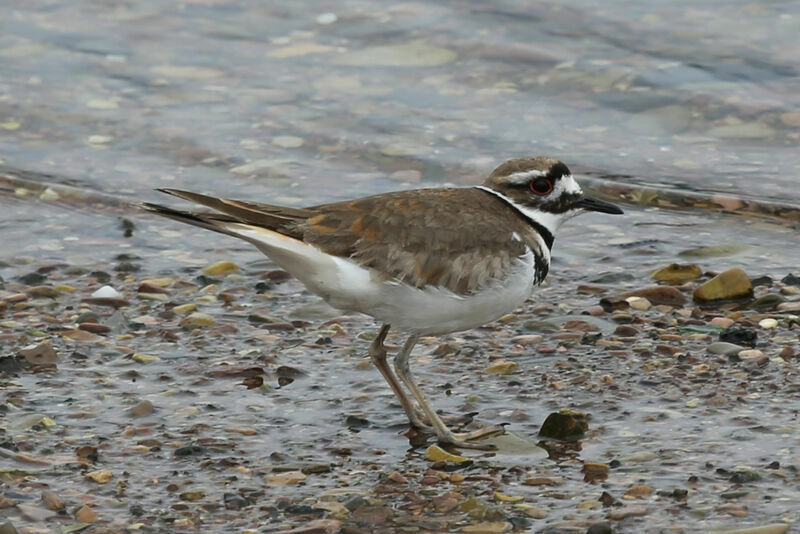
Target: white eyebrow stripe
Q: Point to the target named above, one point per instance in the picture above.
(524, 177)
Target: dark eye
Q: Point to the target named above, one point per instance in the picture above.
(541, 186)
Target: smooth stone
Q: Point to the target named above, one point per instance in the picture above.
(789, 306)
(667, 295)
(527, 339)
(43, 292)
(220, 268)
(677, 272)
(502, 367)
(731, 284)
(142, 409)
(198, 319)
(106, 292)
(770, 301)
(434, 453)
(749, 354)
(768, 323)
(723, 322)
(724, 348)
(554, 324)
(639, 303)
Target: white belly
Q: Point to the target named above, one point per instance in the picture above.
(435, 310)
(348, 286)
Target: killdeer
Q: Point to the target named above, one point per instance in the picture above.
(425, 261)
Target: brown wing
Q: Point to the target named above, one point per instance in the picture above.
(407, 234)
(410, 237)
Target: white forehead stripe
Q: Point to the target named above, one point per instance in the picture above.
(570, 185)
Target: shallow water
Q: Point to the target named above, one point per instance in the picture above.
(302, 103)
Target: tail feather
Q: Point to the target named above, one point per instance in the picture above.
(209, 221)
(253, 213)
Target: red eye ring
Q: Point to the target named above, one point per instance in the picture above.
(541, 186)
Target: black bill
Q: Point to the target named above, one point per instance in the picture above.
(594, 204)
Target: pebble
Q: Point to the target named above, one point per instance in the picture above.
(626, 330)
(101, 476)
(639, 303)
(724, 348)
(95, 328)
(286, 479)
(142, 409)
(185, 308)
(106, 292)
(536, 512)
(149, 287)
(793, 306)
(658, 295)
(220, 268)
(53, 501)
(85, 514)
(729, 285)
(527, 339)
(434, 453)
(749, 354)
(677, 273)
(197, 320)
(8, 528)
(768, 323)
(502, 367)
(639, 491)
(43, 292)
(145, 358)
(723, 322)
(508, 498)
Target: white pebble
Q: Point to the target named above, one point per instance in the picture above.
(639, 303)
(768, 323)
(750, 354)
(106, 292)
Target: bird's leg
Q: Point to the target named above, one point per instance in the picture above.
(377, 352)
(444, 434)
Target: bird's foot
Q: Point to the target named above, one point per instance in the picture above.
(471, 440)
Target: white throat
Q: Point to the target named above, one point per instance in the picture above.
(551, 221)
